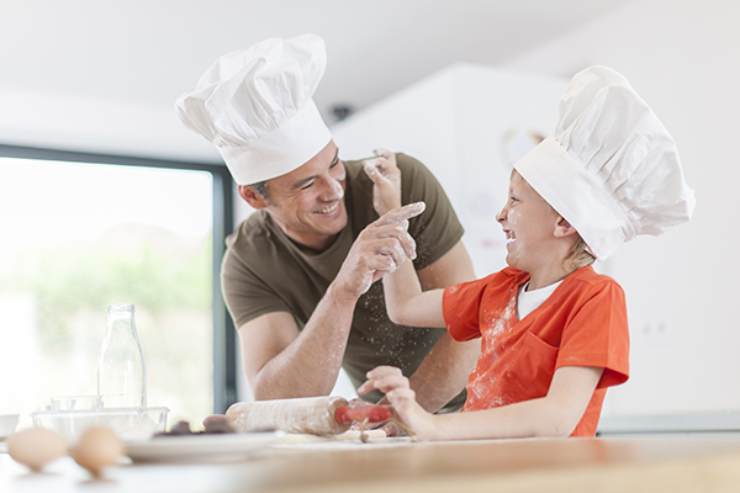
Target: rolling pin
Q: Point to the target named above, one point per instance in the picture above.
(314, 415)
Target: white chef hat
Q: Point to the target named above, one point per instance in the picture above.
(256, 107)
(611, 169)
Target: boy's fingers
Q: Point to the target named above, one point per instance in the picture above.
(372, 171)
(377, 373)
(392, 429)
(380, 371)
(390, 383)
(366, 387)
(387, 385)
(385, 154)
(400, 395)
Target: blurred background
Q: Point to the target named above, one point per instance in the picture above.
(106, 198)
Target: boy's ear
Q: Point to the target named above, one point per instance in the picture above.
(255, 199)
(563, 228)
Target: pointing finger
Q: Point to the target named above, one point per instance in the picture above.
(405, 213)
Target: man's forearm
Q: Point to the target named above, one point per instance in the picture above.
(309, 365)
(444, 372)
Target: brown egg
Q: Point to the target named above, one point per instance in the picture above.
(36, 447)
(97, 448)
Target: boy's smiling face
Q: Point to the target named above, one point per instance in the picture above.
(531, 226)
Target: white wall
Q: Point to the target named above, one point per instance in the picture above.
(684, 58)
(455, 122)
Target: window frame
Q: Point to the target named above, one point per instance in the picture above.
(224, 334)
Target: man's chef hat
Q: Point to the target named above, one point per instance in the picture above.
(256, 107)
(611, 169)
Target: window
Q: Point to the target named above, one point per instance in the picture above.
(83, 231)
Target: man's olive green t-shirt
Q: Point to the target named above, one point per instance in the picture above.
(264, 271)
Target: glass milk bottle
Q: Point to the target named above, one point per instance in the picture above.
(121, 370)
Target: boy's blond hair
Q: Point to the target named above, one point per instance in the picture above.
(579, 256)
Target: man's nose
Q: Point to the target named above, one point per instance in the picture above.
(331, 189)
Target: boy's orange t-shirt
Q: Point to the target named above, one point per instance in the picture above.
(582, 323)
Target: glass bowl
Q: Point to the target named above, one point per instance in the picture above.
(128, 423)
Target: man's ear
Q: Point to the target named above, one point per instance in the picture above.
(563, 228)
(255, 199)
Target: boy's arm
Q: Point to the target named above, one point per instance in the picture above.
(407, 304)
(405, 301)
(555, 415)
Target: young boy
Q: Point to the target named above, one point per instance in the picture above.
(553, 332)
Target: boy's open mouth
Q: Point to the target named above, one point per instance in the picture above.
(509, 236)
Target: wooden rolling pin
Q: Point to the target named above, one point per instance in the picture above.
(314, 415)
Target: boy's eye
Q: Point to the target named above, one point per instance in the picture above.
(335, 169)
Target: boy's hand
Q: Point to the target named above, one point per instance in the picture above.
(386, 177)
(416, 421)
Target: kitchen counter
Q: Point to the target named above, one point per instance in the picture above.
(673, 463)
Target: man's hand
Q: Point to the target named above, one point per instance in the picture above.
(408, 413)
(380, 248)
(386, 177)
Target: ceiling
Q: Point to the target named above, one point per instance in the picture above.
(143, 54)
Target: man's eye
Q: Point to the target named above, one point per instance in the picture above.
(307, 185)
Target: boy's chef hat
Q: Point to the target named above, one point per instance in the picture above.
(256, 107)
(611, 169)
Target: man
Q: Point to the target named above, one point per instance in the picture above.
(299, 275)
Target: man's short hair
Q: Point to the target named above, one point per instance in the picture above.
(261, 187)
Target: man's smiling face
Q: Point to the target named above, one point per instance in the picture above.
(308, 203)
